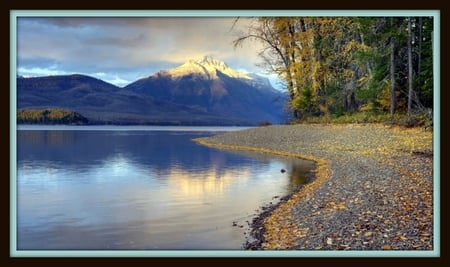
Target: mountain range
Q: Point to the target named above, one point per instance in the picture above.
(202, 92)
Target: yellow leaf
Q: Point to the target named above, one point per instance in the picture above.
(368, 234)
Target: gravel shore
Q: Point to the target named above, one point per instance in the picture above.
(373, 188)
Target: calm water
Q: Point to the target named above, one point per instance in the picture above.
(141, 188)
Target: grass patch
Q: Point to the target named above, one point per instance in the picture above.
(414, 120)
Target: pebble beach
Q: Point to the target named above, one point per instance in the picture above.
(373, 187)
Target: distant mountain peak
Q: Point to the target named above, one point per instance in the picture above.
(207, 67)
(210, 61)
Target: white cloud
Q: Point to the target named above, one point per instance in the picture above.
(125, 49)
(36, 72)
(116, 81)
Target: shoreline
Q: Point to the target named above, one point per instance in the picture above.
(368, 191)
(257, 232)
(257, 225)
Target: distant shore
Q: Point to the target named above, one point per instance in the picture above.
(373, 188)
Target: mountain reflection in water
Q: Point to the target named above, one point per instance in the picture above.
(141, 190)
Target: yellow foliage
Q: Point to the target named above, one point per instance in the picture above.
(323, 109)
(366, 107)
(385, 96)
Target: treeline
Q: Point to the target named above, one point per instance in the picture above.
(334, 66)
(49, 116)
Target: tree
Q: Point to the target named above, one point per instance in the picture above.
(277, 55)
(333, 65)
(423, 49)
(410, 72)
(49, 116)
(392, 76)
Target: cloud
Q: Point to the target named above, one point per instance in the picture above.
(36, 71)
(122, 46)
(117, 81)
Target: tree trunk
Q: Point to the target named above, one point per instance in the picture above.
(410, 72)
(419, 59)
(392, 76)
(353, 104)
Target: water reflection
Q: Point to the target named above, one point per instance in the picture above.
(159, 150)
(205, 182)
(140, 190)
(298, 171)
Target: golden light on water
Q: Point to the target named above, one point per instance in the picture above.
(205, 182)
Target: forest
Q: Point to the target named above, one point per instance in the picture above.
(359, 69)
(49, 116)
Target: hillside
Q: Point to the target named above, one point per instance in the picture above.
(213, 87)
(205, 92)
(104, 103)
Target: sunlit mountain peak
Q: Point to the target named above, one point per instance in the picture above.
(208, 67)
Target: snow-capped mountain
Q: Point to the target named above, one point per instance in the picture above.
(259, 81)
(202, 92)
(210, 85)
(207, 67)
(103, 103)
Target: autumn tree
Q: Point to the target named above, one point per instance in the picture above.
(334, 65)
(49, 116)
(278, 53)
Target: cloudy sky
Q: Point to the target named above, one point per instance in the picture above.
(121, 50)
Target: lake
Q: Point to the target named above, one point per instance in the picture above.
(141, 188)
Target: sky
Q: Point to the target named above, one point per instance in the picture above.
(121, 50)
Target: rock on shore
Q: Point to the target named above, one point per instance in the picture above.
(373, 188)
